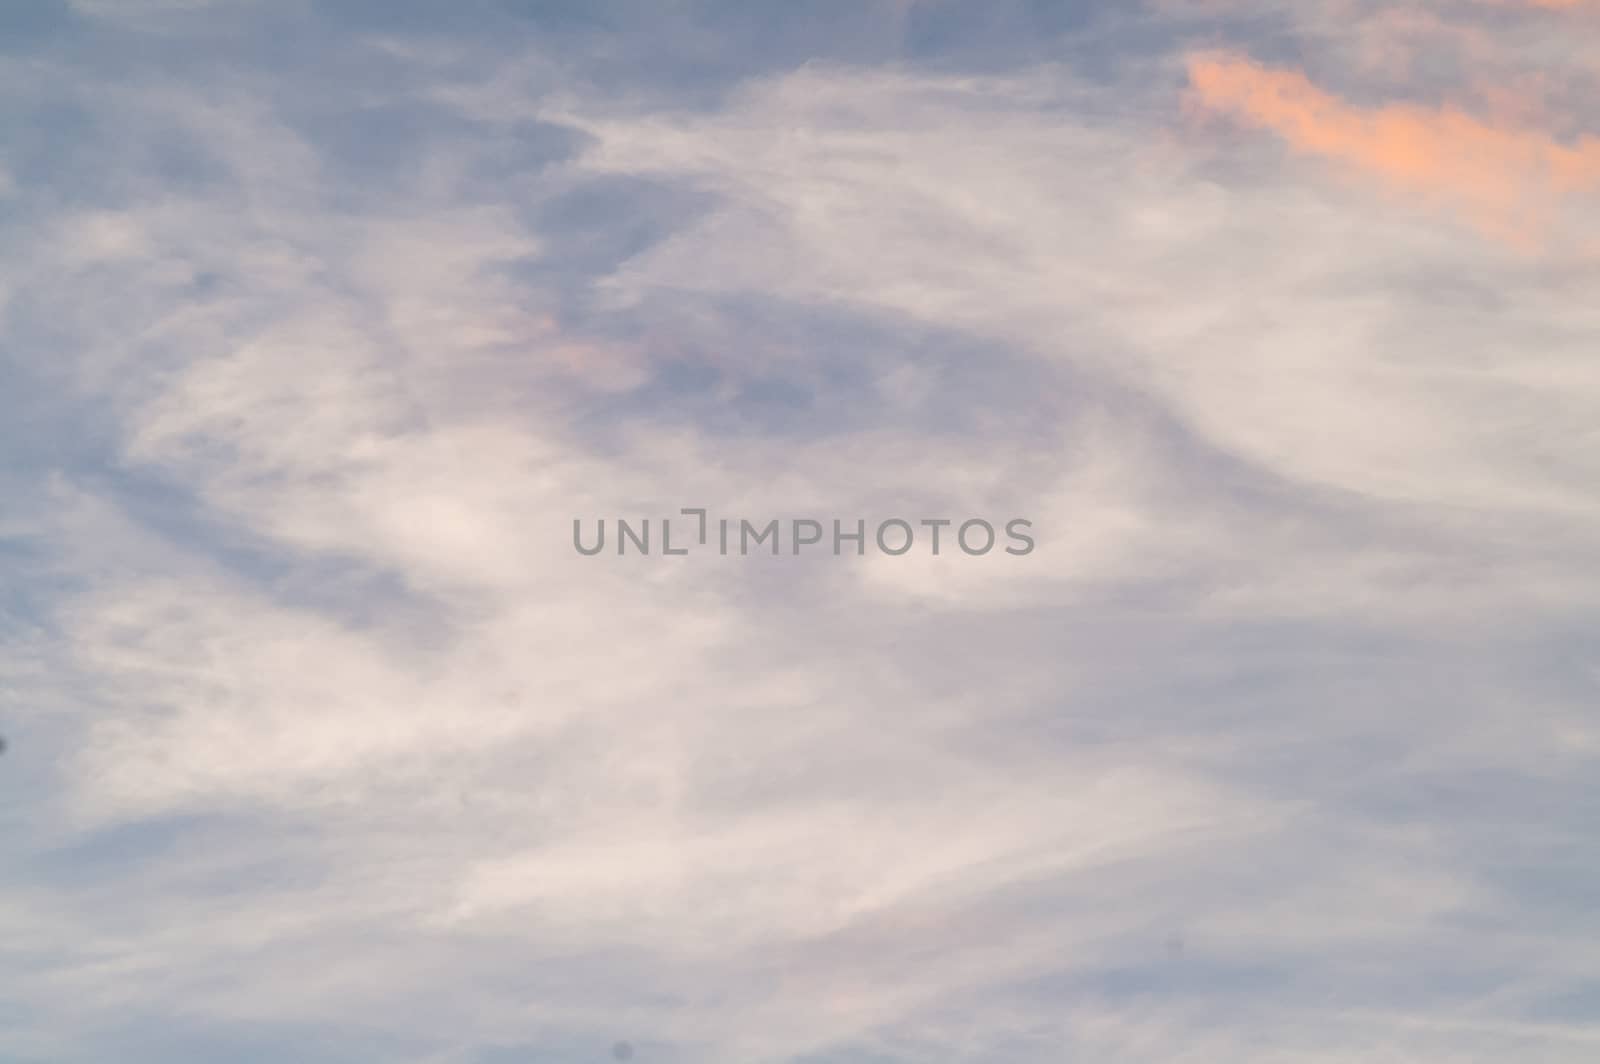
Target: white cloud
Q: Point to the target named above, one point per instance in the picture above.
(446, 776)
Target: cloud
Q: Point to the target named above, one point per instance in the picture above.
(1513, 180)
(348, 756)
(1554, 5)
(1262, 358)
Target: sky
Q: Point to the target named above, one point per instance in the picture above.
(322, 322)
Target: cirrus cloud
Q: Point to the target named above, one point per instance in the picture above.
(1512, 180)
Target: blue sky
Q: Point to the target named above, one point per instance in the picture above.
(321, 322)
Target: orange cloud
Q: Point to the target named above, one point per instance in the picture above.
(1548, 5)
(1508, 177)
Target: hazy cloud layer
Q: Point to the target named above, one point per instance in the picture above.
(321, 323)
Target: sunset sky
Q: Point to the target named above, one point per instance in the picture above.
(321, 322)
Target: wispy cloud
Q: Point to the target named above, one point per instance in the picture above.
(1514, 180)
(327, 746)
